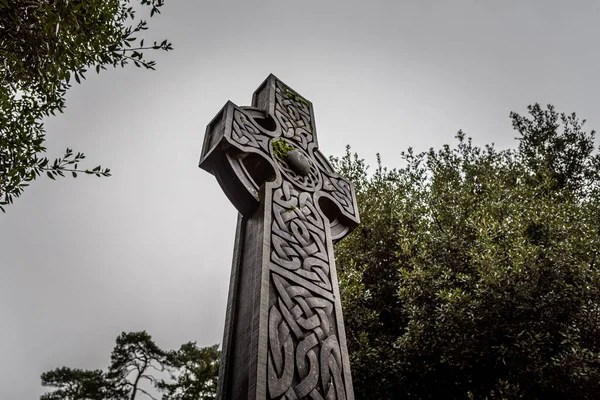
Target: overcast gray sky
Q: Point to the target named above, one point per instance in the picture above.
(84, 259)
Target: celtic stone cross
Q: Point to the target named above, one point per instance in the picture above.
(284, 333)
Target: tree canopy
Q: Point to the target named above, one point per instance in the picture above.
(136, 365)
(45, 45)
(474, 273)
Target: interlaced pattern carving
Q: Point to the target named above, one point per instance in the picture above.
(294, 116)
(309, 182)
(304, 351)
(247, 134)
(340, 190)
(297, 115)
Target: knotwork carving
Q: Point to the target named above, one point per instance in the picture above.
(247, 133)
(294, 115)
(301, 322)
(309, 182)
(341, 191)
(298, 236)
(304, 353)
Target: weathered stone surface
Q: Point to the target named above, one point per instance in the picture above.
(284, 332)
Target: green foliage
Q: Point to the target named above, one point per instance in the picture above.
(136, 359)
(197, 372)
(44, 46)
(291, 94)
(474, 272)
(76, 384)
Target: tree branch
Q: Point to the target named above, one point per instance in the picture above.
(137, 380)
(147, 394)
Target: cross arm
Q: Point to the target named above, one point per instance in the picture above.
(337, 200)
(236, 152)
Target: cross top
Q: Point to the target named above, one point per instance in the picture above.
(275, 140)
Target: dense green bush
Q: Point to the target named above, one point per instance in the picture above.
(474, 273)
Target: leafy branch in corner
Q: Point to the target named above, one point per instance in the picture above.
(44, 46)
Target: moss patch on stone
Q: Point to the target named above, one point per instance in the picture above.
(281, 148)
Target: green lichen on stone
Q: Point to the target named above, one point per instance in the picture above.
(290, 94)
(281, 148)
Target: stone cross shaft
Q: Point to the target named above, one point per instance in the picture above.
(284, 333)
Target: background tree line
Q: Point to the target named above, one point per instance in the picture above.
(140, 369)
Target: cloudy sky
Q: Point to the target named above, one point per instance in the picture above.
(84, 259)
